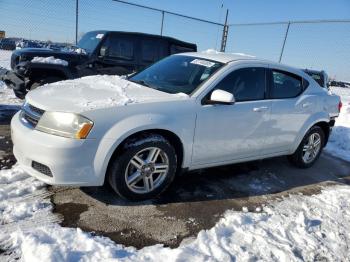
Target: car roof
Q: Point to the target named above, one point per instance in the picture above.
(168, 38)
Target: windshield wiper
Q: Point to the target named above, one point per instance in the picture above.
(141, 82)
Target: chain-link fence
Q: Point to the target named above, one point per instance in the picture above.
(66, 20)
(319, 45)
(316, 44)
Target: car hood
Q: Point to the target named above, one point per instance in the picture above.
(95, 92)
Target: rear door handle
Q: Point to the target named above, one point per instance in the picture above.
(260, 109)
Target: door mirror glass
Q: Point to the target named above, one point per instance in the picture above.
(222, 97)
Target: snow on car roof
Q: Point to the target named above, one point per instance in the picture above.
(220, 56)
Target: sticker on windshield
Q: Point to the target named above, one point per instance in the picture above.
(202, 62)
(99, 36)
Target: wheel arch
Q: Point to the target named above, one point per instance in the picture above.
(173, 139)
(321, 120)
(325, 128)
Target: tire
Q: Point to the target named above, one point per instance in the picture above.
(299, 158)
(47, 80)
(132, 165)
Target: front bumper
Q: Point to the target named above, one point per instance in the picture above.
(12, 80)
(70, 161)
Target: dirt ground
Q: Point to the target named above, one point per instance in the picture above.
(195, 201)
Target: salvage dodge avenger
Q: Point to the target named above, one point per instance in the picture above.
(186, 112)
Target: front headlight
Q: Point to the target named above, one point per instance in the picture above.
(64, 124)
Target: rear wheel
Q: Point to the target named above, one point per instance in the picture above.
(309, 149)
(144, 168)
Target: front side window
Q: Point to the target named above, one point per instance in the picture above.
(177, 74)
(285, 85)
(245, 84)
(120, 47)
(90, 40)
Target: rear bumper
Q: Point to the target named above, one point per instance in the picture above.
(70, 161)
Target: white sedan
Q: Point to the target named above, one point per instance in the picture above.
(186, 112)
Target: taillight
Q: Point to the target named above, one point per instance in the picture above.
(340, 106)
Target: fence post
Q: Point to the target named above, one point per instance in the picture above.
(224, 34)
(76, 20)
(161, 27)
(284, 42)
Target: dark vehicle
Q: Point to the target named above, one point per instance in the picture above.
(320, 77)
(97, 52)
(7, 44)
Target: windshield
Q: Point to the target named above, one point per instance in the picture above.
(177, 74)
(89, 41)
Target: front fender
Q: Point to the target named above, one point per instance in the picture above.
(311, 121)
(181, 126)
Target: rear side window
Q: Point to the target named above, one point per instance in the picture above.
(120, 48)
(285, 85)
(150, 51)
(245, 84)
(175, 49)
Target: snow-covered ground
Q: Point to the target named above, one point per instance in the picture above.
(296, 228)
(339, 141)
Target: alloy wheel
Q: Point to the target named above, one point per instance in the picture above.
(311, 148)
(147, 170)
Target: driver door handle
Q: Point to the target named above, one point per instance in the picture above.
(260, 109)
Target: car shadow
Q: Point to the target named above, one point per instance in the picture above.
(257, 178)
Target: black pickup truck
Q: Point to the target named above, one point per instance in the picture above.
(98, 52)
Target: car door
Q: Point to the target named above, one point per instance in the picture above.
(290, 108)
(230, 132)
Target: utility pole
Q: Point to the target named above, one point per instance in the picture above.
(76, 20)
(284, 42)
(161, 27)
(224, 34)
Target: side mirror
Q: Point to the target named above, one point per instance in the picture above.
(222, 97)
(103, 51)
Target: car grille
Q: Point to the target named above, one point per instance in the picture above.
(31, 115)
(41, 168)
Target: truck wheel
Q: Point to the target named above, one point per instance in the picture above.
(46, 80)
(144, 169)
(309, 149)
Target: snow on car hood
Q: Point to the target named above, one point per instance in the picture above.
(94, 92)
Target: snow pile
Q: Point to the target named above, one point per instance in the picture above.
(24, 204)
(339, 141)
(215, 52)
(49, 60)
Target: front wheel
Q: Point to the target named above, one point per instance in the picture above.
(144, 168)
(309, 149)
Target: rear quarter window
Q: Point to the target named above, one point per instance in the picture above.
(285, 84)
